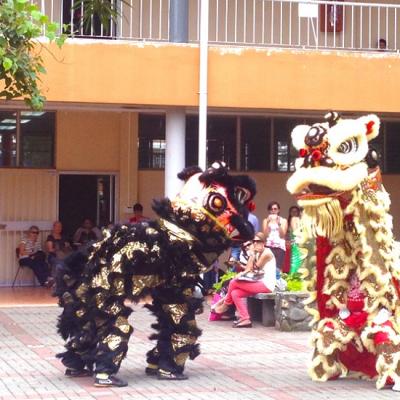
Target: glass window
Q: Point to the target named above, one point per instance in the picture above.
(27, 139)
(255, 147)
(221, 140)
(152, 141)
(284, 151)
(392, 134)
(192, 142)
(37, 139)
(8, 139)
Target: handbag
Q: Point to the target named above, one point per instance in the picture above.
(251, 276)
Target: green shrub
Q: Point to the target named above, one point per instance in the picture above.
(294, 282)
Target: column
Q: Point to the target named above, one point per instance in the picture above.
(175, 150)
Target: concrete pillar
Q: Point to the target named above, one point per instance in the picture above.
(178, 21)
(175, 150)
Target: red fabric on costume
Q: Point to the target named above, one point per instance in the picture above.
(323, 249)
(396, 284)
(356, 320)
(355, 361)
(381, 337)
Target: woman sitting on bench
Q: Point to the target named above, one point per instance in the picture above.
(259, 276)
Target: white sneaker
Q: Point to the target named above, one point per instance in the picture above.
(396, 386)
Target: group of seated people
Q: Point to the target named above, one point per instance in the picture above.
(44, 263)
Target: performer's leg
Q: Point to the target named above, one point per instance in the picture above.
(178, 333)
(242, 290)
(386, 346)
(112, 346)
(329, 338)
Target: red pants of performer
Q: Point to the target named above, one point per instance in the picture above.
(239, 290)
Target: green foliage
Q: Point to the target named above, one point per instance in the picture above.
(20, 61)
(105, 10)
(224, 278)
(294, 282)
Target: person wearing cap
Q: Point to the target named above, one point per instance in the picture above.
(261, 264)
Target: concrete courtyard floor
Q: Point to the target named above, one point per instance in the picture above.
(257, 363)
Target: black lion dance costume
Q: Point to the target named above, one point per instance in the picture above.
(161, 258)
(353, 279)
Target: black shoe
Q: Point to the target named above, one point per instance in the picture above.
(151, 371)
(77, 373)
(110, 381)
(171, 376)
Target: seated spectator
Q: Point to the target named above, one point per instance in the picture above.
(261, 268)
(32, 256)
(57, 247)
(137, 214)
(87, 233)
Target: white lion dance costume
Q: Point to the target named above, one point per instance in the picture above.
(354, 277)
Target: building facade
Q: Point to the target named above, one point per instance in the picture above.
(100, 144)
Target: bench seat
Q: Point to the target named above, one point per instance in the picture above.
(263, 310)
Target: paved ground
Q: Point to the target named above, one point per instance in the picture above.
(258, 363)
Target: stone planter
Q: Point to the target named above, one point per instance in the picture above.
(289, 312)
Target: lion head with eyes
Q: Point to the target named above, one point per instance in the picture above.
(334, 159)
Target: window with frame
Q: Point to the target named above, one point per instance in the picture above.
(391, 133)
(27, 139)
(284, 152)
(221, 140)
(255, 146)
(151, 141)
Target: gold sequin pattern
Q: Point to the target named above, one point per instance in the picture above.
(80, 313)
(144, 281)
(101, 279)
(81, 291)
(178, 341)
(176, 311)
(114, 309)
(181, 358)
(119, 287)
(112, 341)
(100, 299)
(123, 324)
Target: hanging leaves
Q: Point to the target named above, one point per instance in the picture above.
(20, 61)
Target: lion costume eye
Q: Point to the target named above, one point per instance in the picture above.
(216, 203)
(348, 146)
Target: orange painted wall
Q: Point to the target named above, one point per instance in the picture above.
(166, 74)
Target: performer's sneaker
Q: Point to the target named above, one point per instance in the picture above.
(110, 381)
(151, 371)
(171, 376)
(77, 373)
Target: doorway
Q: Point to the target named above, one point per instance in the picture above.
(86, 196)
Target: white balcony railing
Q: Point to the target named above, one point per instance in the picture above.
(311, 24)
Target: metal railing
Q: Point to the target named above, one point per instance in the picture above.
(311, 24)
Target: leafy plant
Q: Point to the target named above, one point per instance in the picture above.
(294, 282)
(224, 278)
(105, 10)
(21, 63)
